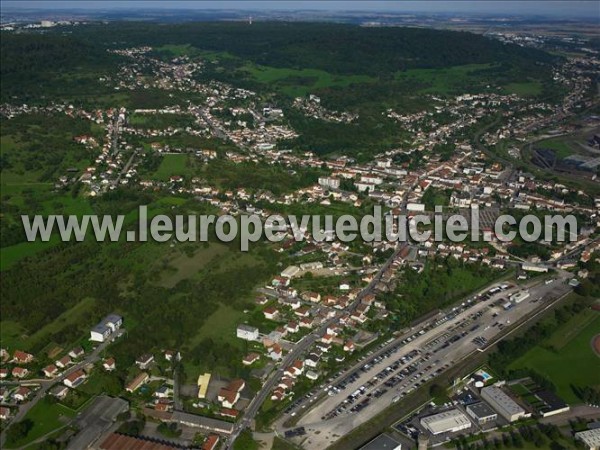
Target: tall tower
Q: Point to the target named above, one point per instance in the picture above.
(249, 20)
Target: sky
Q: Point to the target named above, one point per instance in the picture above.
(573, 8)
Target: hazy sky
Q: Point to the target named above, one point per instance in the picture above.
(573, 8)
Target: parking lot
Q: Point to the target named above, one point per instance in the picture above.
(409, 363)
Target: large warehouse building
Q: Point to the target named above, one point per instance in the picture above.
(447, 422)
(501, 402)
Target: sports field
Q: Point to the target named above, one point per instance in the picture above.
(567, 357)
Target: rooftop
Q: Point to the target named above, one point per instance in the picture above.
(382, 442)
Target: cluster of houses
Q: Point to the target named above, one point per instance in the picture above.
(311, 107)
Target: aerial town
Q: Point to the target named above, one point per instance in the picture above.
(374, 345)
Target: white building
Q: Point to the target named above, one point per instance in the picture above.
(418, 207)
(247, 332)
(106, 327)
(290, 272)
(503, 404)
(450, 421)
(329, 182)
(590, 438)
(529, 267)
(519, 297)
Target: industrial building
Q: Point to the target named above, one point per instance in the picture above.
(482, 413)
(503, 404)
(590, 438)
(449, 421)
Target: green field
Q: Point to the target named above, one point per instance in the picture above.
(160, 121)
(525, 89)
(575, 363)
(47, 417)
(444, 80)
(173, 164)
(561, 146)
(12, 336)
(294, 82)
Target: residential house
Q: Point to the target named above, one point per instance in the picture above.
(250, 358)
(313, 297)
(229, 412)
(292, 327)
(50, 371)
(312, 375)
(163, 392)
(229, 395)
(211, 442)
(109, 364)
(144, 361)
(20, 357)
(4, 413)
(278, 394)
(63, 362)
(304, 311)
(20, 372)
(21, 394)
(295, 369)
(75, 378)
(172, 354)
(275, 352)
(270, 313)
(137, 382)
(306, 322)
(311, 360)
(59, 391)
(327, 338)
(76, 353)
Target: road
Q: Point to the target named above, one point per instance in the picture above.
(301, 347)
(45, 385)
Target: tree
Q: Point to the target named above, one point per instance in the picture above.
(437, 391)
(245, 442)
(19, 431)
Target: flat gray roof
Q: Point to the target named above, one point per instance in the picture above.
(502, 400)
(202, 422)
(382, 442)
(481, 410)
